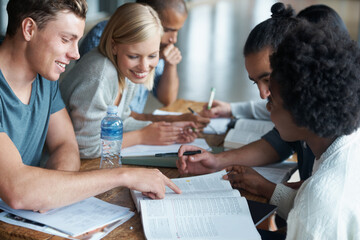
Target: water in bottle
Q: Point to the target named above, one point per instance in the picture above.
(111, 139)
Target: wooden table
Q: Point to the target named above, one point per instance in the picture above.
(132, 229)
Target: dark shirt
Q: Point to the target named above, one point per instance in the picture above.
(285, 149)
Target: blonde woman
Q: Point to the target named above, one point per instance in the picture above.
(110, 74)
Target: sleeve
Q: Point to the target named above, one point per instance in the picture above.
(56, 101)
(283, 148)
(250, 110)
(87, 105)
(92, 39)
(283, 197)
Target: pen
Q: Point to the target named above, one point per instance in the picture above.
(175, 154)
(212, 95)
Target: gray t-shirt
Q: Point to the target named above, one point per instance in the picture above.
(27, 125)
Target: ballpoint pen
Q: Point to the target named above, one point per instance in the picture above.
(193, 112)
(174, 154)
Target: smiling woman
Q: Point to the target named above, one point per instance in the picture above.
(110, 75)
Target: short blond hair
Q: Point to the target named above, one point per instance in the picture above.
(131, 23)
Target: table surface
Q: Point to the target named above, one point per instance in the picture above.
(132, 229)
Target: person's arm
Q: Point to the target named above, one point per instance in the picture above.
(218, 109)
(201, 122)
(61, 143)
(160, 133)
(254, 154)
(250, 180)
(168, 86)
(34, 188)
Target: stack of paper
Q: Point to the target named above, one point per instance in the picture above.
(74, 220)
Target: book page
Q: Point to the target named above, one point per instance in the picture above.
(205, 218)
(257, 126)
(246, 131)
(208, 185)
(151, 150)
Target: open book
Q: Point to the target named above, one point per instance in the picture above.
(246, 131)
(207, 208)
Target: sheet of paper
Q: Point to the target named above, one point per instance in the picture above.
(75, 219)
(278, 172)
(210, 218)
(94, 235)
(151, 150)
(216, 125)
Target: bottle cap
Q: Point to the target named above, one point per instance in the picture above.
(112, 109)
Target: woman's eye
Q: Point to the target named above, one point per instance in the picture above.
(132, 57)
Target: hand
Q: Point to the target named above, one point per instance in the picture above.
(171, 54)
(161, 133)
(218, 109)
(151, 182)
(201, 122)
(294, 185)
(250, 180)
(204, 162)
(189, 132)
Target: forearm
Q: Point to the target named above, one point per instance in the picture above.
(42, 189)
(132, 138)
(154, 118)
(66, 158)
(168, 87)
(254, 154)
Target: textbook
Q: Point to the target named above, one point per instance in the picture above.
(207, 208)
(91, 214)
(246, 131)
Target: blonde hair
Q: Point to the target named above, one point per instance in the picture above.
(131, 23)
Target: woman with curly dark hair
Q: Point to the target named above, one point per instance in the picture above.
(315, 97)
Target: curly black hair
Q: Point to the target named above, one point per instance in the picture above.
(318, 72)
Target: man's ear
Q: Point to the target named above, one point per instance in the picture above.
(28, 28)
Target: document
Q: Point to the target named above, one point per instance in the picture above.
(246, 131)
(76, 219)
(277, 172)
(208, 208)
(151, 150)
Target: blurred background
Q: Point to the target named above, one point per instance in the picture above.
(212, 40)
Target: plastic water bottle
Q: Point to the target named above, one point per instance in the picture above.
(111, 139)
